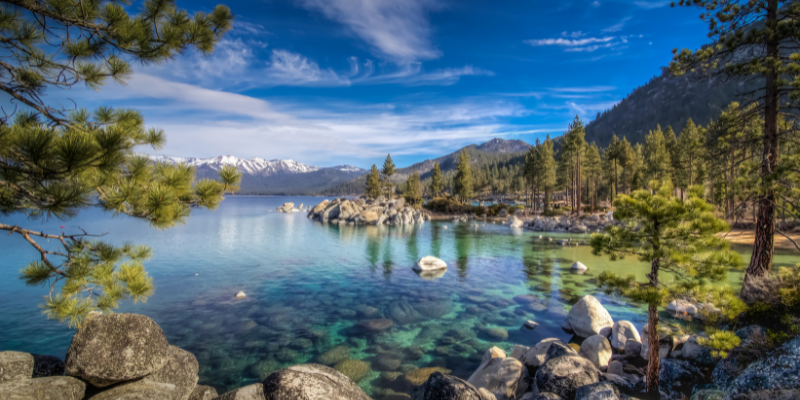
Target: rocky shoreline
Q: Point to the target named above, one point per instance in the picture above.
(380, 211)
(127, 356)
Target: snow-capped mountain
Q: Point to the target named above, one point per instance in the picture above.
(260, 176)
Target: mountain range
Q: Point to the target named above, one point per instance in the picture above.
(273, 177)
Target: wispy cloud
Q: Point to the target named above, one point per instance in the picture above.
(618, 26)
(586, 89)
(397, 30)
(212, 122)
(292, 69)
(568, 42)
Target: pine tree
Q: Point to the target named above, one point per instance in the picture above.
(617, 155)
(738, 27)
(413, 193)
(690, 150)
(463, 180)
(571, 151)
(436, 180)
(671, 144)
(674, 236)
(56, 161)
(374, 188)
(593, 169)
(548, 170)
(657, 160)
(387, 171)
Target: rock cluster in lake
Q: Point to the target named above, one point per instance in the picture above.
(571, 224)
(380, 211)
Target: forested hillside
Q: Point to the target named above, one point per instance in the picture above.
(667, 101)
(484, 158)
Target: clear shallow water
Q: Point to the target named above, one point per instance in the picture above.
(309, 285)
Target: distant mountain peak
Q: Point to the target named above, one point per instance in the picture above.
(498, 145)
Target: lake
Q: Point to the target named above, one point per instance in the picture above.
(309, 286)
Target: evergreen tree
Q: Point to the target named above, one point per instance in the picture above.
(593, 169)
(574, 145)
(374, 188)
(690, 150)
(671, 143)
(657, 160)
(56, 161)
(387, 171)
(738, 27)
(547, 162)
(616, 154)
(413, 193)
(463, 179)
(436, 180)
(674, 236)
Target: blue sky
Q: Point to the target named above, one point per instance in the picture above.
(330, 82)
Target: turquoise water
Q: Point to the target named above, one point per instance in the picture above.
(309, 285)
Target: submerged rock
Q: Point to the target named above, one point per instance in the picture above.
(353, 369)
(311, 382)
(113, 348)
(417, 377)
(334, 355)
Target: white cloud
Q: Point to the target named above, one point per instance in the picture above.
(397, 30)
(587, 89)
(292, 69)
(592, 48)
(618, 26)
(575, 34)
(205, 122)
(568, 42)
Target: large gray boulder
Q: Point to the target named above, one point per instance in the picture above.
(15, 365)
(446, 387)
(203, 392)
(249, 392)
(564, 375)
(113, 348)
(588, 317)
(311, 382)
(774, 377)
(621, 332)
(499, 376)
(176, 380)
(535, 357)
(597, 391)
(49, 388)
(596, 349)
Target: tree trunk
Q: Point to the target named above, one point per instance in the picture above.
(764, 245)
(616, 184)
(578, 182)
(653, 359)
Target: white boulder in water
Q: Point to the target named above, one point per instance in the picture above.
(429, 263)
(240, 295)
(578, 266)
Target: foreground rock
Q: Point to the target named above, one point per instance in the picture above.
(15, 365)
(775, 377)
(49, 388)
(588, 317)
(311, 382)
(202, 392)
(249, 392)
(445, 387)
(499, 376)
(564, 375)
(109, 349)
(596, 349)
(380, 211)
(621, 332)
